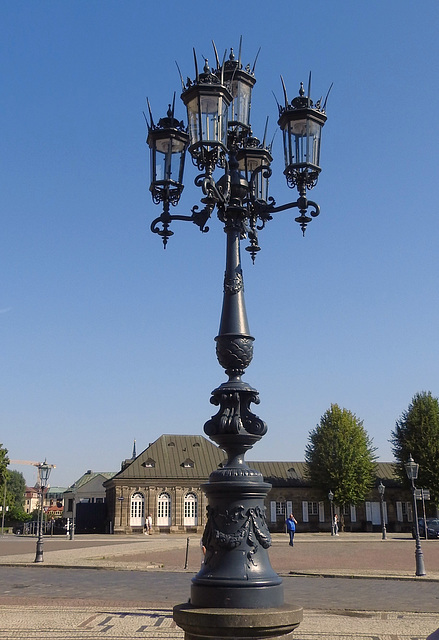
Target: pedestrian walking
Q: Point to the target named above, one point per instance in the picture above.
(291, 528)
(149, 524)
(335, 525)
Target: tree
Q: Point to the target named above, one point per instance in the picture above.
(4, 461)
(16, 487)
(340, 457)
(417, 433)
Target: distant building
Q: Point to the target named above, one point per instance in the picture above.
(165, 481)
(31, 499)
(85, 502)
(53, 500)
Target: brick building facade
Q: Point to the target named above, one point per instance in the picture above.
(166, 480)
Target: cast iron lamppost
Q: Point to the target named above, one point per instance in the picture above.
(331, 498)
(236, 575)
(381, 489)
(44, 470)
(411, 469)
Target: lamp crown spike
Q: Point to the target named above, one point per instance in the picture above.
(285, 91)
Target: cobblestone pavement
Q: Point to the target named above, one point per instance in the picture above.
(93, 623)
(413, 613)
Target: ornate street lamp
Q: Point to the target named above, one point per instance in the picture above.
(44, 470)
(236, 575)
(411, 469)
(331, 499)
(381, 489)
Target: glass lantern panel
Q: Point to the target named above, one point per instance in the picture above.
(170, 144)
(168, 157)
(211, 114)
(303, 142)
(239, 110)
(248, 165)
(193, 121)
(261, 187)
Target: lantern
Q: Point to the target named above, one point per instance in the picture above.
(207, 101)
(254, 161)
(301, 124)
(168, 142)
(240, 83)
(411, 469)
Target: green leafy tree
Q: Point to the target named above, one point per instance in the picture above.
(16, 514)
(417, 433)
(340, 457)
(16, 487)
(4, 461)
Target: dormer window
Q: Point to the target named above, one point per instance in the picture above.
(149, 464)
(171, 444)
(188, 464)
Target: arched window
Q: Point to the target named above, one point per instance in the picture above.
(190, 510)
(137, 518)
(164, 510)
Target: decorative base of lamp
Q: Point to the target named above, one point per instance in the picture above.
(236, 571)
(251, 624)
(39, 553)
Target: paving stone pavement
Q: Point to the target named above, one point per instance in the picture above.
(93, 623)
(90, 621)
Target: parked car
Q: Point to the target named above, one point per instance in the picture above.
(432, 528)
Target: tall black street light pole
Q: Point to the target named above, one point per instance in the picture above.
(236, 573)
(331, 502)
(44, 470)
(381, 489)
(412, 469)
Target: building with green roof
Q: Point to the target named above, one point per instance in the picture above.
(165, 481)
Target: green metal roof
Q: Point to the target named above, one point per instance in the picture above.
(183, 457)
(294, 474)
(90, 475)
(53, 490)
(291, 474)
(175, 456)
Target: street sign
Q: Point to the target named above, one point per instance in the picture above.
(422, 494)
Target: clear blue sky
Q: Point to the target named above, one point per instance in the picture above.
(105, 337)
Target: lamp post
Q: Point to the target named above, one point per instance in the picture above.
(331, 498)
(381, 489)
(44, 470)
(236, 573)
(73, 522)
(412, 468)
(3, 506)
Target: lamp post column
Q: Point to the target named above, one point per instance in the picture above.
(412, 468)
(331, 498)
(43, 476)
(4, 506)
(39, 550)
(236, 566)
(419, 556)
(381, 489)
(236, 592)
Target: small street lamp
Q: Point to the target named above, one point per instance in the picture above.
(3, 507)
(411, 469)
(44, 470)
(73, 522)
(331, 498)
(236, 573)
(381, 489)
